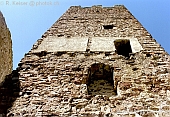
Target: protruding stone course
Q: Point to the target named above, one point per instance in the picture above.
(82, 44)
(95, 83)
(5, 49)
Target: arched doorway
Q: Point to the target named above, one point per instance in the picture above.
(100, 81)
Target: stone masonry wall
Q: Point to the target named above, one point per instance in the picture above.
(5, 49)
(56, 85)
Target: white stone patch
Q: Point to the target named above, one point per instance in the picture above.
(100, 44)
(54, 44)
(105, 44)
(135, 45)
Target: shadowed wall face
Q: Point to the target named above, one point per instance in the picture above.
(5, 49)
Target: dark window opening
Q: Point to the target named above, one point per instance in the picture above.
(123, 47)
(108, 26)
(100, 81)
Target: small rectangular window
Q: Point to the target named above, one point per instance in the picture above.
(108, 26)
(123, 47)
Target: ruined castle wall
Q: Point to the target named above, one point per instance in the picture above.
(5, 49)
(59, 83)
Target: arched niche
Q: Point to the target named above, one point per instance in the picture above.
(100, 80)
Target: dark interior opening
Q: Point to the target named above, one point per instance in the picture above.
(100, 81)
(108, 26)
(123, 47)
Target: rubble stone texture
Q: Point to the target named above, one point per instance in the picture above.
(5, 49)
(126, 74)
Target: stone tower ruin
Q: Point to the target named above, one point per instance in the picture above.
(94, 62)
(5, 49)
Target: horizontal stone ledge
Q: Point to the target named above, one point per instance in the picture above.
(81, 44)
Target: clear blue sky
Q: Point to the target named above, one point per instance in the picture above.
(28, 21)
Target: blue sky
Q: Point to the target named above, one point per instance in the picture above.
(29, 20)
